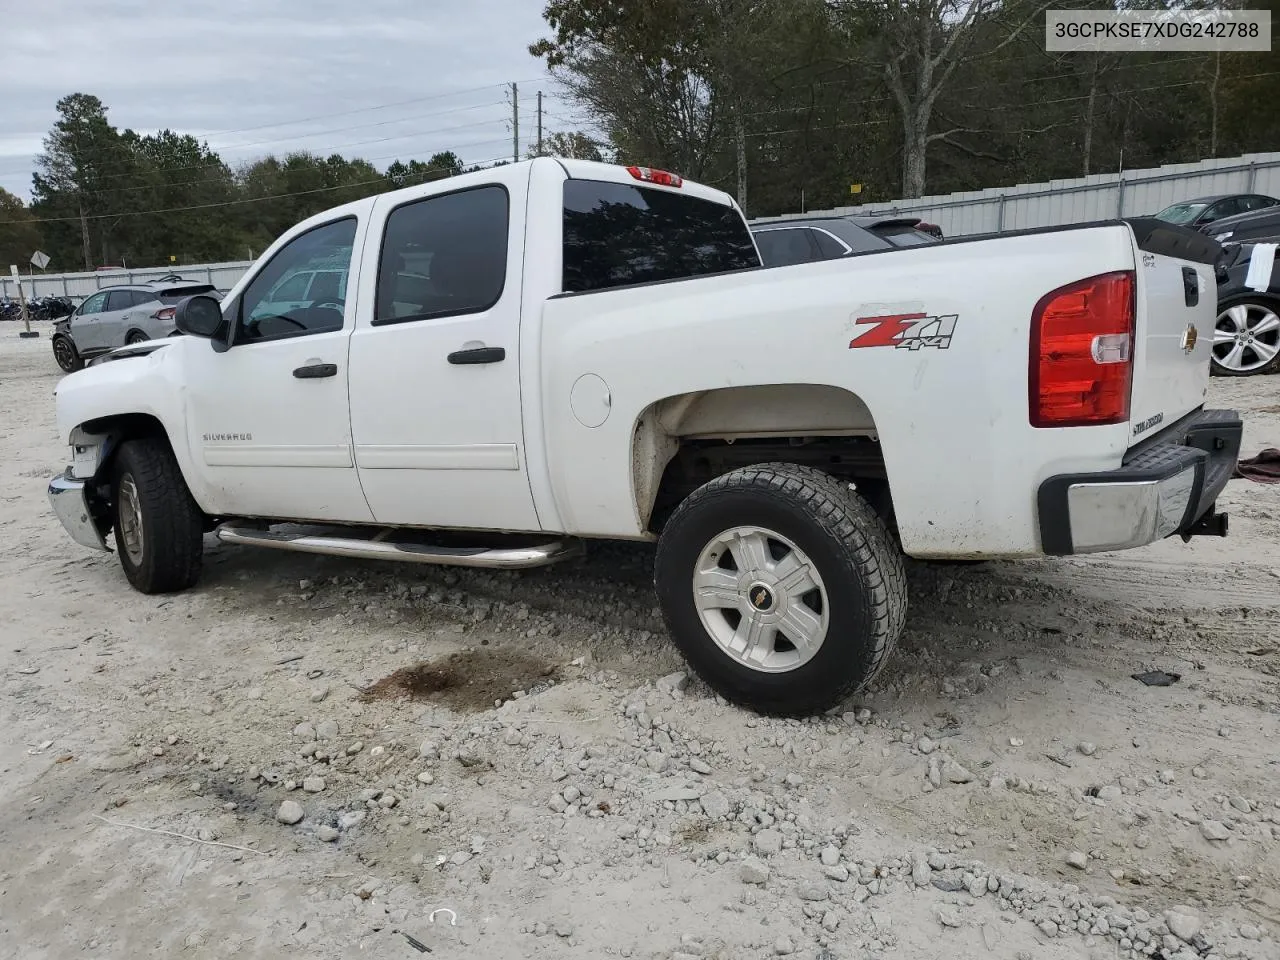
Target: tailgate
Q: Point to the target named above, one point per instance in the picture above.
(1176, 305)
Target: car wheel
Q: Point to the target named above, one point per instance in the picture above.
(136, 336)
(66, 354)
(782, 588)
(159, 529)
(1246, 337)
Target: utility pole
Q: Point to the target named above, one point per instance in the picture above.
(515, 123)
(539, 123)
(84, 237)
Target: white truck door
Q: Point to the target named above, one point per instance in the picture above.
(268, 419)
(435, 382)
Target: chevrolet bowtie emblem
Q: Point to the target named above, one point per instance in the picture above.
(1189, 338)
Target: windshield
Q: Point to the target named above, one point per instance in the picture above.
(1181, 212)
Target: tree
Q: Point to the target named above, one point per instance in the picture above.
(175, 171)
(572, 146)
(919, 45)
(19, 234)
(84, 159)
(641, 71)
(444, 164)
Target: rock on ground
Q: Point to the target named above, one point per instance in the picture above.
(290, 812)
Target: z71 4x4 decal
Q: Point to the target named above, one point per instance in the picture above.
(906, 331)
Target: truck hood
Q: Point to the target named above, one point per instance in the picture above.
(133, 350)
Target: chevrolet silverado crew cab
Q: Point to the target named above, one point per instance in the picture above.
(514, 362)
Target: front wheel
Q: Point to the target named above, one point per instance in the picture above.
(159, 529)
(1246, 338)
(782, 588)
(66, 354)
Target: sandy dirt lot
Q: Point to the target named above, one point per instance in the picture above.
(1006, 790)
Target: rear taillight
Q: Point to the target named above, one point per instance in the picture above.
(166, 314)
(1081, 370)
(661, 177)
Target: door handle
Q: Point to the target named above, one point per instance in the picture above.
(316, 371)
(479, 355)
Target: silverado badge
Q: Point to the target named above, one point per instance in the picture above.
(1189, 338)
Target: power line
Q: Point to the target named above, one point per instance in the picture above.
(546, 78)
(422, 133)
(219, 178)
(228, 203)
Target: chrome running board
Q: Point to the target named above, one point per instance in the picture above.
(494, 558)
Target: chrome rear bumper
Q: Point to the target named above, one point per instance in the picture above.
(70, 504)
(1167, 486)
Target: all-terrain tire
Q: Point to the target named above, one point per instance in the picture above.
(167, 547)
(861, 568)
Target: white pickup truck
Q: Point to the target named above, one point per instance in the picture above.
(551, 352)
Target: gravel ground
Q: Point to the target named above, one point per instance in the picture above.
(361, 759)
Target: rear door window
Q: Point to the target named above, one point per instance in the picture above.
(786, 246)
(119, 300)
(443, 256)
(828, 245)
(616, 234)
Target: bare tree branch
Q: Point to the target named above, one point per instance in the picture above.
(979, 154)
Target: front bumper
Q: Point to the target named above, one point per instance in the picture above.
(1166, 485)
(70, 501)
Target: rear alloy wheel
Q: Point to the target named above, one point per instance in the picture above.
(137, 336)
(782, 588)
(65, 353)
(1246, 339)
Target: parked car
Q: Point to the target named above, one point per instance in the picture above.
(1246, 337)
(806, 239)
(1205, 210)
(117, 316)
(1260, 226)
(595, 352)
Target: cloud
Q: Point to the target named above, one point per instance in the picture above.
(218, 70)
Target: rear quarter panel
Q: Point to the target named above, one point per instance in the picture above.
(963, 461)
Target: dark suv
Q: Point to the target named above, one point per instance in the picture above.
(804, 239)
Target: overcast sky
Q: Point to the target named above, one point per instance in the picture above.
(215, 69)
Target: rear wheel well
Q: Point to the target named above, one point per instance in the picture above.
(854, 460)
(684, 441)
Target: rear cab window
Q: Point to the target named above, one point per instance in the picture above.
(616, 234)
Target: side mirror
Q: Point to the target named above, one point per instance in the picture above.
(198, 316)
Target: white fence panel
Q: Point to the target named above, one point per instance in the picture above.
(77, 286)
(1105, 196)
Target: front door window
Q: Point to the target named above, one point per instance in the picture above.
(277, 302)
